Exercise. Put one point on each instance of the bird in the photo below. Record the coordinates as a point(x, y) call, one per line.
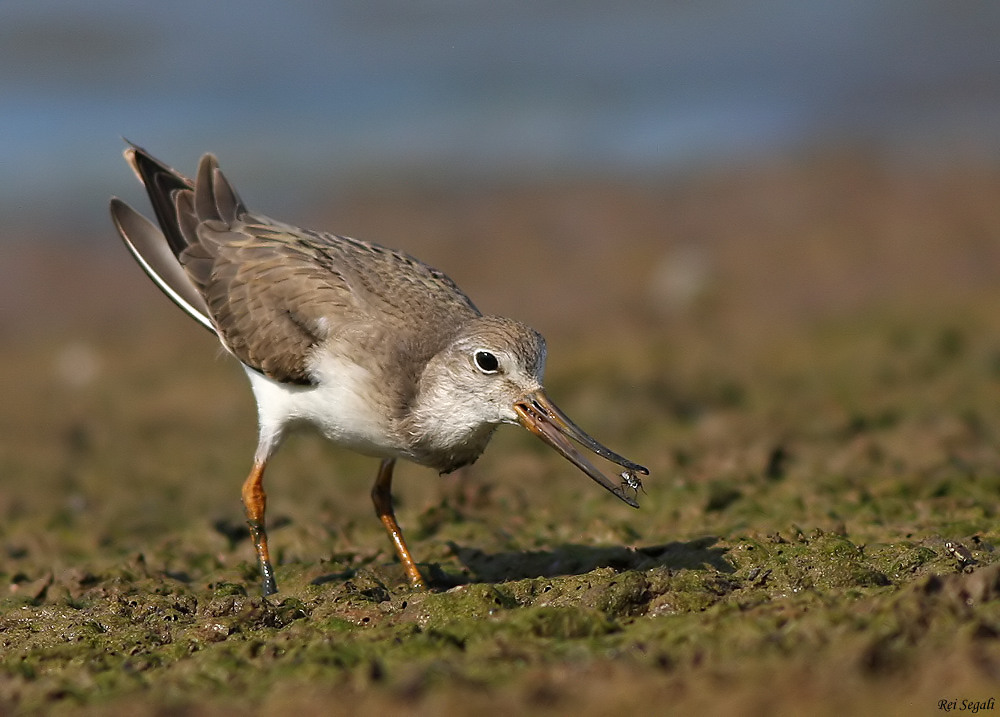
point(382, 353)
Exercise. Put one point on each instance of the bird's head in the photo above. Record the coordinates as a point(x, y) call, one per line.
point(491, 373)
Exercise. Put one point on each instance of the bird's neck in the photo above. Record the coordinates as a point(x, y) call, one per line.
point(445, 429)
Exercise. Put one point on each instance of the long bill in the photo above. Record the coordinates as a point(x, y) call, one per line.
point(543, 418)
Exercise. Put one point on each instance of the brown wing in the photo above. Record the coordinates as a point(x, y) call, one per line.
point(275, 293)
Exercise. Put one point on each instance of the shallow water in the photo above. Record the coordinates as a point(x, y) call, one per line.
point(299, 98)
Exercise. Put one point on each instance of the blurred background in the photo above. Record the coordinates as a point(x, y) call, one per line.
point(301, 99)
point(639, 171)
point(310, 105)
point(762, 240)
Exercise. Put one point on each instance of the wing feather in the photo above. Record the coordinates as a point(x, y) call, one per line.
point(276, 294)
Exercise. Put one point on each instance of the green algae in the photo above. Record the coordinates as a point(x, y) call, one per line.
point(774, 598)
point(780, 560)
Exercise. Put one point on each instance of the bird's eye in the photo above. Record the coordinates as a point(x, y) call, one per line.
point(486, 362)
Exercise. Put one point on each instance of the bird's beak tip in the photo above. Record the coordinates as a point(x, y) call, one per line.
point(543, 418)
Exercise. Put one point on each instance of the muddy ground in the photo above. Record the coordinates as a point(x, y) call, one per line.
point(806, 354)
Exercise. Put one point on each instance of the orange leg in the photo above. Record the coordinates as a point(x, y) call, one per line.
point(382, 498)
point(255, 503)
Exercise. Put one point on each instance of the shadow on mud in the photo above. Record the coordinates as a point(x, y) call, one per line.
point(571, 559)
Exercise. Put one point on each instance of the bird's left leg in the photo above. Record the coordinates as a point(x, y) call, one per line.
point(382, 498)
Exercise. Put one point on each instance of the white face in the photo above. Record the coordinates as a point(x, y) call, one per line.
point(473, 383)
point(497, 379)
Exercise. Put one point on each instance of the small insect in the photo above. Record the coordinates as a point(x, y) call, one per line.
point(631, 480)
point(960, 553)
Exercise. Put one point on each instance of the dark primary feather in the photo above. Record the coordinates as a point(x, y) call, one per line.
point(161, 181)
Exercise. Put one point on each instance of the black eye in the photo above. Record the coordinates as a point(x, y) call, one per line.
point(486, 362)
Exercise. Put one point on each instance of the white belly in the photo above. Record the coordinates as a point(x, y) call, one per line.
point(341, 406)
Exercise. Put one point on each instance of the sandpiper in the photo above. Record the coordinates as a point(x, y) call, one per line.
point(382, 353)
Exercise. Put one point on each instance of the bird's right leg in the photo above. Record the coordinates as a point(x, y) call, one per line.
point(255, 503)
